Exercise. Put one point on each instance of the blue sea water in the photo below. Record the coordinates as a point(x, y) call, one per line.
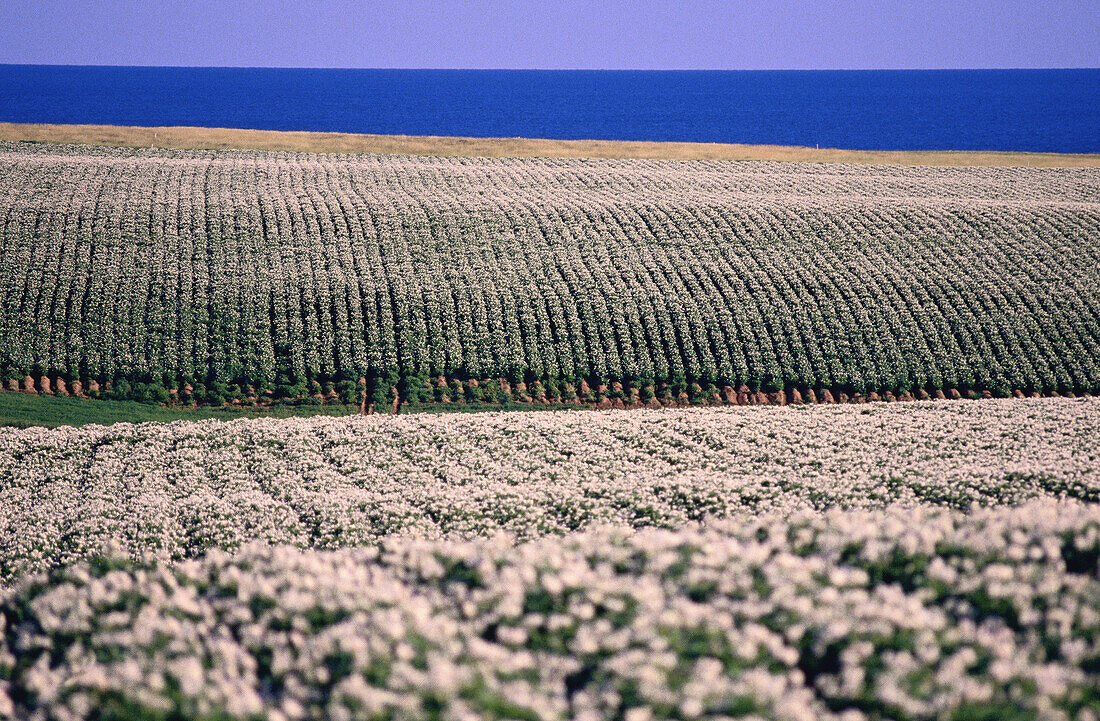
point(1039, 110)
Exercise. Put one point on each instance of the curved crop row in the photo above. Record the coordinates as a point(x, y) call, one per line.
point(222, 274)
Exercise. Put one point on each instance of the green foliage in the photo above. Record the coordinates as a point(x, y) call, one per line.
point(348, 391)
point(24, 411)
point(867, 286)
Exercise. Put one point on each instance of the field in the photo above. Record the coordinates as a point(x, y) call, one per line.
point(177, 489)
point(701, 512)
point(207, 276)
point(911, 561)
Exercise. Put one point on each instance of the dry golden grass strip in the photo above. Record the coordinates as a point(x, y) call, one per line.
point(241, 139)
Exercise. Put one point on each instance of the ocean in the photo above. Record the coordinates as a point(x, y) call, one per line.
point(1036, 110)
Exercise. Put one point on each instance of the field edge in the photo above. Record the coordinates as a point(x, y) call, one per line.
point(197, 138)
point(20, 409)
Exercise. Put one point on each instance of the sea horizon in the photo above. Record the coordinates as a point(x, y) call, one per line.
point(991, 109)
point(553, 70)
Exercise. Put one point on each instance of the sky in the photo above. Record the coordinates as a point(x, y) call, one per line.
point(553, 34)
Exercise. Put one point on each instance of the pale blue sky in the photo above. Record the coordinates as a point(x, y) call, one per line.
point(707, 34)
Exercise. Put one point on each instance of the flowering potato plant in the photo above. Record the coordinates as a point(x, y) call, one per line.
point(930, 560)
point(175, 490)
point(210, 276)
point(902, 613)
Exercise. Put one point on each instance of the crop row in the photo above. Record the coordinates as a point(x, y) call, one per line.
point(250, 273)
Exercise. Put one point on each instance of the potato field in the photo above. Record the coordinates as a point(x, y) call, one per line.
point(934, 560)
point(605, 552)
point(213, 275)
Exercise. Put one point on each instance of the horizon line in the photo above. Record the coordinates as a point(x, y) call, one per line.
point(565, 70)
